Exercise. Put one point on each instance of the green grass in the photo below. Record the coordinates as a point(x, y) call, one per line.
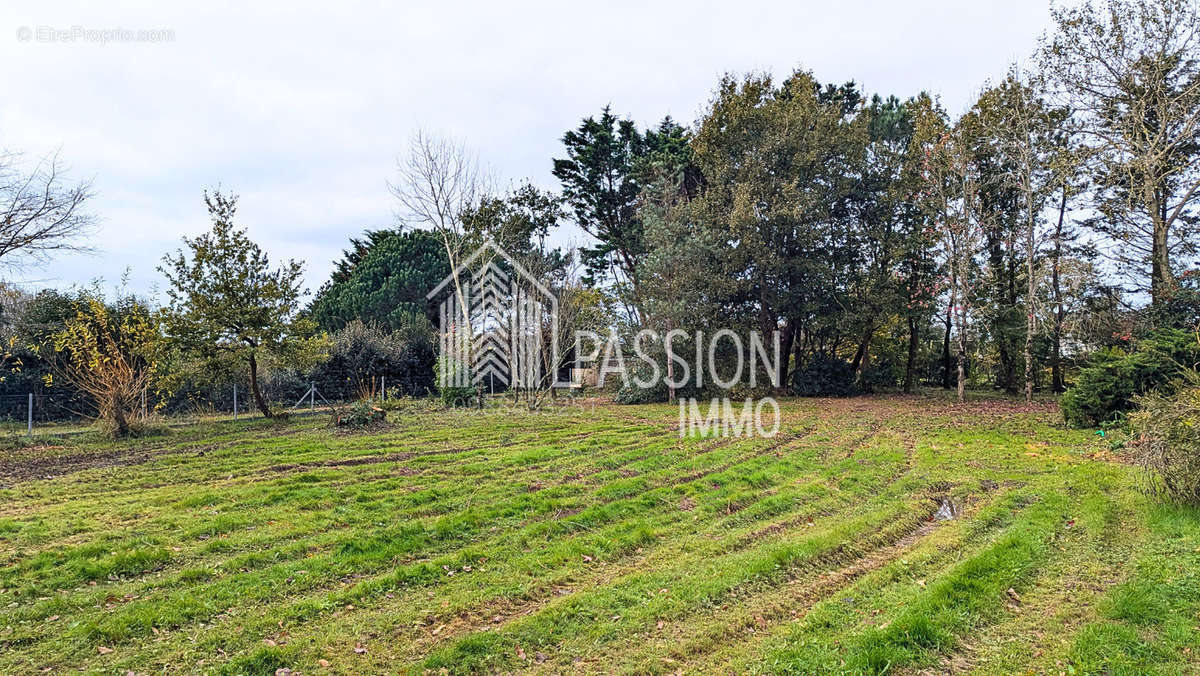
point(597, 541)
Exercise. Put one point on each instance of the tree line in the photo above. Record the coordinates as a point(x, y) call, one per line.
point(885, 242)
point(888, 242)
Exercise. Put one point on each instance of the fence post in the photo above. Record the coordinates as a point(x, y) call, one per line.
point(235, 401)
point(145, 413)
point(29, 424)
point(312, 396)
point(383, 387)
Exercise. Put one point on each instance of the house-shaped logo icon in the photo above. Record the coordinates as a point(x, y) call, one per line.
point(498, 324)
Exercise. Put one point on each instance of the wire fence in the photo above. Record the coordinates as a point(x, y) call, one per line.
point(57, 410)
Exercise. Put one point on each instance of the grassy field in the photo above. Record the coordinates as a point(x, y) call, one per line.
point(599, 541)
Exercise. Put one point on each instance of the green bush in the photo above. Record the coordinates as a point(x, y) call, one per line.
point(630, 393)
point(364, 413)
point(824, 377)
point(1166, 432)
point(454, 371)
point(1180, 306)
point(361, 353)
point(880, 375)
point(1105, 389)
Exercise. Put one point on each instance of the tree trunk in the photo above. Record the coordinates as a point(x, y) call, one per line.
point(946, 348)
point(802, 344)
point(1030, 226)
point(630, 265)
point(258, 397)
point(863, 344)
point(1029, 355)
point(670, 367)
point(1161, 279)
point(785, 352)
point(1006, 378)
point(911, 364)
point(961, 344)
point(962, 369)
point(120, 422)
point(1059, 315)
point(452, 258)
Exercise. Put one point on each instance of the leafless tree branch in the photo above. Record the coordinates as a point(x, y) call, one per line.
point(41, 213)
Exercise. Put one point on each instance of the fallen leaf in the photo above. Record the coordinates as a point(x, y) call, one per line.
point(102, 650)
point(360, 649)
point(520, 653)
point(323, 663)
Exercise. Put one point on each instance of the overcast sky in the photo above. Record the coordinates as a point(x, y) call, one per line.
point(302, 110)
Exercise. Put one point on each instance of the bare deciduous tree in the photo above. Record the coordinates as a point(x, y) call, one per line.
point(1024, 132)
point(1131, 71)
point(40, 212)
point(950, 196)
point(439, 181)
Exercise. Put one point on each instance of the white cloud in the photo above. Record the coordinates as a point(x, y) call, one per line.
point(303, 107)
